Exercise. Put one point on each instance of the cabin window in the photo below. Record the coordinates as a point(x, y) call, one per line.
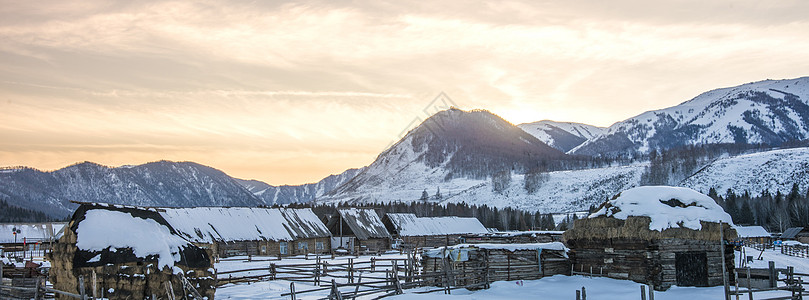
point(283, 247)
point(263, 249)
point(303, 246)
point(319, 245)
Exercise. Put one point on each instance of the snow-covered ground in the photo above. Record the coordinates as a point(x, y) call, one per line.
point(554, 287)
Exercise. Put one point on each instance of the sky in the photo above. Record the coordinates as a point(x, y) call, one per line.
point(290, 92)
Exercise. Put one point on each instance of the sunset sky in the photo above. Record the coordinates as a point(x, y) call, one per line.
point(290, 92)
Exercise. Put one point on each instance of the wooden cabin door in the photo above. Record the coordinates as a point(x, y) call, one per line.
point(691, 268)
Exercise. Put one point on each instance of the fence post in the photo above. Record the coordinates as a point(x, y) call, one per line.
point(583, 293)
point(38, 287)
point(749, 286)
point(351, 270)
point(651, 292)
point(95, 285)
point(81, 288)
point(335, 293)
point(773, 277)
point(578, 295)
point(292, 290)
point(642, 292)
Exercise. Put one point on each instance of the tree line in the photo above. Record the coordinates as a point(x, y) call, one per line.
point(774, 211)
point(10, 214)
point(491, 217)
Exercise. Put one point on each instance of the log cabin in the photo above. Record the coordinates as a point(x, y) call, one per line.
point(656, 235)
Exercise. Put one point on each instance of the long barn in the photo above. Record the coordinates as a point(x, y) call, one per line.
point(230, 231)
point(431, 231)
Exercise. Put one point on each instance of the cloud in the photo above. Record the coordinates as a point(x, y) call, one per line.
point(162, 78)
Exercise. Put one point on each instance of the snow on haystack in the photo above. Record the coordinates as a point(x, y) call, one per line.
point(102, 229)
point(667, 206)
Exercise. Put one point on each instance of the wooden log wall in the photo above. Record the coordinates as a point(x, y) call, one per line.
point(489, 265)
point(649, 262)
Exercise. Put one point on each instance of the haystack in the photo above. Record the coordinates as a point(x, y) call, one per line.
point(132, 253)
point(657, 235)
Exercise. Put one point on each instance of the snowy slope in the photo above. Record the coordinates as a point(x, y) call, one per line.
point(562, 135)
point(775, 170)
point(769, 112)
point(566, 191)
point(454, 149)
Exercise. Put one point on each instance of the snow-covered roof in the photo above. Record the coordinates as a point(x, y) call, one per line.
point(791, 233)
point(668, 207)
point(751, 231)
point(102, 229)
point(227, 224)
point(410, 225)
point(438, 252)
point(31, 231)
point(527, 232)
point(364, 223)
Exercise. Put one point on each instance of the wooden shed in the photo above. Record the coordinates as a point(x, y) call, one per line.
point(800, 234)
point(430, 231)
point(27, 240)
point(747, 235)
point(481, 264)
point(231, 231)
point(657, 235)
point(132, 253)
point(358, 231)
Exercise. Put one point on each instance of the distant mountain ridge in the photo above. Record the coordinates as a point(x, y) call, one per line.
point(768, 112)
point(455, 156)
point(286, 194)
point(562, 136)
point(161, 184)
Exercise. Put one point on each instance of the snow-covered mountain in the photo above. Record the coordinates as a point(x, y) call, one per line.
point(286, 194)
point(453, 144)
point(562, 135)
point(162, 183)
point(769, 112)
point(576, 190)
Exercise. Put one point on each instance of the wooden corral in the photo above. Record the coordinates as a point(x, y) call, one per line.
point(359, 231)
point(477, 265)
point(112, 255)
point(430, 232)
point(628, 249)
point(514, 237)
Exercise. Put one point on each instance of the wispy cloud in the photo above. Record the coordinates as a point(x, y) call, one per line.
point(324, 78)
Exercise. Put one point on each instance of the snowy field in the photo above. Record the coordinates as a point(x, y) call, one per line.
point(555, 287)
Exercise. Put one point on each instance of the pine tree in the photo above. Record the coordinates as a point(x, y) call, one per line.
point(438, 193)
point(746, 214)
point(424, 196)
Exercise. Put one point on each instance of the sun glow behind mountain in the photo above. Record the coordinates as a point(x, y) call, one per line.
point(292, 92)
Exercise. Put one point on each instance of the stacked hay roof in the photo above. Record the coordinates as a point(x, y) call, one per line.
point(132, 252)
point(657, 235)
